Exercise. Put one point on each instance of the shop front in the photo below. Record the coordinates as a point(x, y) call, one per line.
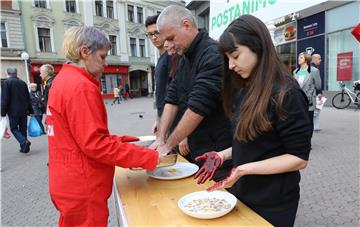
point(113, 76)
point(343, 50)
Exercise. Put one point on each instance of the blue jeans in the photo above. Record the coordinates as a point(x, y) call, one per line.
point(18, 127)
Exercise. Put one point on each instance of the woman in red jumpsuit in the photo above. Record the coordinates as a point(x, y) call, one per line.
point(82, 153)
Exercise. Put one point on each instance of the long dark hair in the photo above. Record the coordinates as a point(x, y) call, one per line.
point(253, 118)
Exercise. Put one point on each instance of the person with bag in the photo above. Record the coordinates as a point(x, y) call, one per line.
point(82, 152)
point(271, 127)
point(309, 80)
point(15, 102)
point(37, 105)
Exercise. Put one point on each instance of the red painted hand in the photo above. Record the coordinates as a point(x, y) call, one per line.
point(213, 161)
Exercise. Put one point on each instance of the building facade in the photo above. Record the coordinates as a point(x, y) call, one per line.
point(12, 39)
point(43, 23)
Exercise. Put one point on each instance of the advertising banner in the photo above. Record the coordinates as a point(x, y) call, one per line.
point(223, 12)
point(311, 26)
point(344, 66)
point(285, 33)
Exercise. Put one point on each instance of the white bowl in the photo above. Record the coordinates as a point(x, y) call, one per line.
point(229, 198)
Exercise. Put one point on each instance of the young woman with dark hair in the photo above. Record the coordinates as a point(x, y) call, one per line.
point(271, 127)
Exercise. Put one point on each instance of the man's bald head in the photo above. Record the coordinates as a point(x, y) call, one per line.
point(316, 59)
point(174, 15)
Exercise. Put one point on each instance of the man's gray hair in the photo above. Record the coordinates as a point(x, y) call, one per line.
point(174, 15)
point(11, 71)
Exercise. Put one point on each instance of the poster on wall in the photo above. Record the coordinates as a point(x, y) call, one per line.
point(223, 12)
point(344, 66)
point(285, 33)
point(311, 26)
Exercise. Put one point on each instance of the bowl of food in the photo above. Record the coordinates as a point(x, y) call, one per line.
point(207, 205)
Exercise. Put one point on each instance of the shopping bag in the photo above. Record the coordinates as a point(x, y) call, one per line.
point(34, 128)
point(3, 126)
point(320, 102)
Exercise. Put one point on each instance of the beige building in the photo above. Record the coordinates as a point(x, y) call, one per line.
point(12, 39)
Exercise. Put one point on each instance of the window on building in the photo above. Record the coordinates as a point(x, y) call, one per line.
point(142, 47)
point(44, 39)
point(131, 13)
point(113, 49)
point(133, 47)
point(99, 8)
point(110, 9)
point(40, 3)
point(70, 6)
point(4, 42)
point(139, 15)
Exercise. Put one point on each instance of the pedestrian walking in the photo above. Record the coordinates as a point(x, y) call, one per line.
point(116, 95)
point(309, 80)
point(193, 104)
point(47, 75)
point(37, 104)
point(15, 102)
point(127, 92)
point(82, 153)
point(272, 132)
point(315, 62)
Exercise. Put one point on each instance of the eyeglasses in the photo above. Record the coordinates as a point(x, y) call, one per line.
point(155, 34)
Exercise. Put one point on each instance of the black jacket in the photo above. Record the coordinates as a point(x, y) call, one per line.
point(197, 86)
point(15, 98)
point(162, 80)
point(46, 91)
point(290, 136)
point(36, 103)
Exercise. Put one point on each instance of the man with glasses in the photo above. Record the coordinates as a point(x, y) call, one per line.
point(162, 78)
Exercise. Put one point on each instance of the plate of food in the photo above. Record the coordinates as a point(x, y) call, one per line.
point(207, 205)
point(178, 171)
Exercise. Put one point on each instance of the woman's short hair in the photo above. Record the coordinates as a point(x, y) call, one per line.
point(79, 36)
point(48, 68)
point(307, 57)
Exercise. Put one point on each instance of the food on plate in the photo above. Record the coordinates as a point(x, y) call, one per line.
point(172, 170)
point(207, 205)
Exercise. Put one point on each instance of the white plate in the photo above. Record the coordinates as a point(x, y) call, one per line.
point(229, 198)
point(178, 171)
point(147, 138)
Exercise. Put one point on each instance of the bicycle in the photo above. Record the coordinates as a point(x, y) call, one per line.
point(343, 99)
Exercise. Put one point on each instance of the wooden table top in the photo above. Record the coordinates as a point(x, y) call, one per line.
point(152, 202)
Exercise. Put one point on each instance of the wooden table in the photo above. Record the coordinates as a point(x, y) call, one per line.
point(144, 201)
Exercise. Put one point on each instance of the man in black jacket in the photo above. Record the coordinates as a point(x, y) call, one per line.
point(47, 74)
point(194, 100)
point(15, 102)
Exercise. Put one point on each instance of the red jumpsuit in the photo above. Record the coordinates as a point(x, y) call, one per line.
point(82, 153)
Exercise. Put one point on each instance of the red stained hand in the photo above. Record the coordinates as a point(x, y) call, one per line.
point(212, 162)
point(228, 182)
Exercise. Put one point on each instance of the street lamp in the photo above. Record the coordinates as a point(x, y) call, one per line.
point(25, 57)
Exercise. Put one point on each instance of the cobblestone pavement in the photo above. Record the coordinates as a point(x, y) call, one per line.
point(329, 188)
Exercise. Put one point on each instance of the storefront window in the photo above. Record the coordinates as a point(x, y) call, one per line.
point(287, 55)
point(109, 82)
point(339, 43)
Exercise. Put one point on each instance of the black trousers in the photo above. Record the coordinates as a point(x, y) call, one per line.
point(283, 218)
point(311, 116)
